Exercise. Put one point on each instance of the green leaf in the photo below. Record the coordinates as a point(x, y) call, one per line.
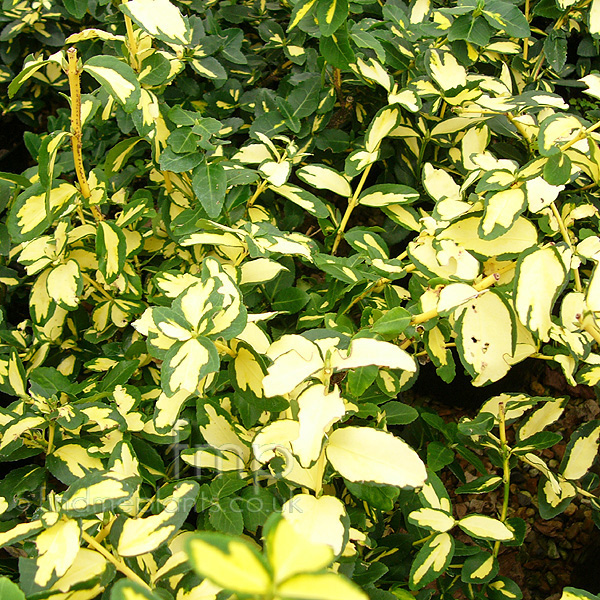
point(479, 568)
point(398, 413)
point(474, 30)
point(226, 516)
point(117, 78)
point(393, 322)
point(438, 456)
point(10, 590)
point(182, 140)
point(361, 378)
point(117, 156)
point(331, 14)
point(557, 169)
point(555, 50)
point(480, 425)
point(290, 300)
point(209, 183)
point(504, 15)
point(287, 112)
point(336, 49)
point(431, 561)
point(504, 588)
point(179, 163)
point(30, 66)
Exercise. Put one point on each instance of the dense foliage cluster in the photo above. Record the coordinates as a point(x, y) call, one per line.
point(247, 227)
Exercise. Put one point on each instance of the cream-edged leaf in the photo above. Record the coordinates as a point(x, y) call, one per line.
point(323, 177)
point(318, 519)
point(521, 236)
point(366, 454)
point(57, 548)
point(160, 18)
point(381, 125)
point(581, 451)
point(319, 410)
point(367, 351)
point(486, 528)
point(432, 519)
point(485, 337)
point(539, 278)
point(145, 534)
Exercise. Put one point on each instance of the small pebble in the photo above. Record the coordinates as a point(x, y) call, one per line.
point(570, 510)
point(553, 463)
point(551, 578)
point(552, 550)
point(524, 499)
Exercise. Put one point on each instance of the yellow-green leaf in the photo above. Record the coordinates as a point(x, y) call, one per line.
point(230, 563)
point(319, 586)
point(57, 547)
point(161, 19)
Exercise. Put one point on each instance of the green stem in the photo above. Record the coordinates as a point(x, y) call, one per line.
point(505, 450)
point(260, 188)
point(565, 234)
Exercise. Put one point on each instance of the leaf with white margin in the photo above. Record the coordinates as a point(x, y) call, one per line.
point(145, 534)
point(161, 19)
point(486, 528)
point(485, 337)
point(320, 520)
point(432, 519)
point(431, 560)
point(290, 552)
point(521, 236)
point(309, 202)
point(57, 547)
point(323, 177)
point(366, 454)
point(319, 410)
point(539, 278)
point(295, 359)
point(367, 351)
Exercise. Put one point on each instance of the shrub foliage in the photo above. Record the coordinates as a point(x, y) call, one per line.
point(248, 226)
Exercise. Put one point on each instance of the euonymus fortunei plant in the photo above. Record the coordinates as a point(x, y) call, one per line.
point(247, 226)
